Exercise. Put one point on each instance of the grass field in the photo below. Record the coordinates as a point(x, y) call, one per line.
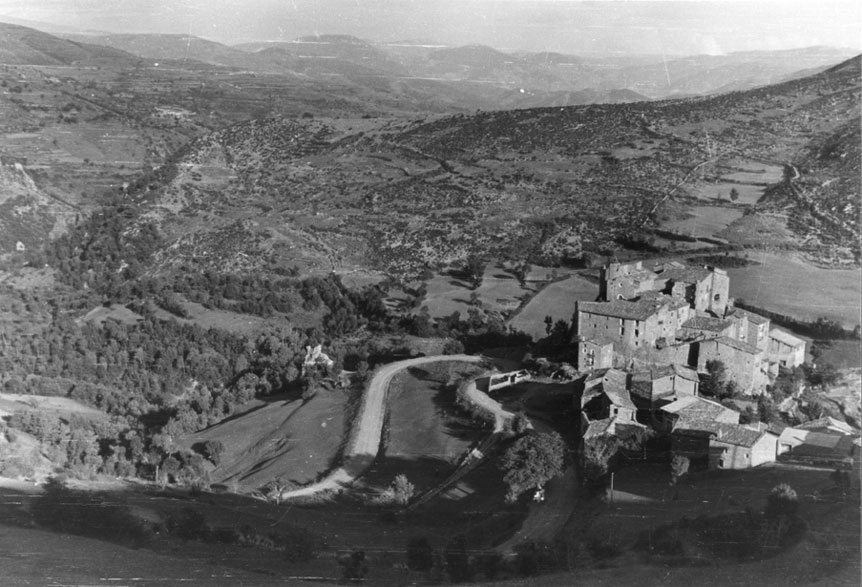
point(748, 194)
point(643, 500)
point(844, 354)
point(787, 285)
point(14, 402)
point(499, 292)
point(426, 434)
point(705, 221)
point(294, 440)
point(117, 312)
point(556, 300)
point(759, 229)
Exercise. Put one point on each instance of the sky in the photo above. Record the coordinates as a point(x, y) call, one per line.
point(567, 26)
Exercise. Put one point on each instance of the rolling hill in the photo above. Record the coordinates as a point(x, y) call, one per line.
point(405, 195)
point(21, 45)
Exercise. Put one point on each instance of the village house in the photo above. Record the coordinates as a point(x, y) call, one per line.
point(693, 413)
point(658, 386)
point(751, 328)
point(785, 349)
point(633, 327)
point(824, 448)
point(733, 446)
point(605, 403)
point(745, 365)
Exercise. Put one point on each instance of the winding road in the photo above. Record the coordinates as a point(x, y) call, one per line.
point(364, 442)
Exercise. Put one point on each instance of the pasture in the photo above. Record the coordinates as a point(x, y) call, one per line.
point(61, 406)
point(787, 285)
point(748, 178)
point(556, 300)
point(704, 221)
point(499, 292)
point(761, 229)
point(427, 434)
point(293, 440)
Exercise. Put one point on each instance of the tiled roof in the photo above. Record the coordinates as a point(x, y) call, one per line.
point(685, 372)
point(613, 384)
point(752, 317)
point(695, 410)
point(639, 309)
point(660, 372)
point(686, 274)
point(804, 442)
point(735, 434)
point(738, 345)
point(827, 423)
point(598, 428)
point(707, 323)
point(785, 337)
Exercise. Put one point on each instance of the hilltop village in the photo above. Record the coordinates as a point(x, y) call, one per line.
point(654, 335)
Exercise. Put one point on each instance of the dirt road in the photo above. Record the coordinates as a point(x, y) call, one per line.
point(365, 434)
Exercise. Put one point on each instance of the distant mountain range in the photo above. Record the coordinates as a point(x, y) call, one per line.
point(546, 78)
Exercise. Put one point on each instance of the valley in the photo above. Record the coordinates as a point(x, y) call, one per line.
point(308, 311)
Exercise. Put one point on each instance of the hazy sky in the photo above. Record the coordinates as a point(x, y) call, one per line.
point(574, 26)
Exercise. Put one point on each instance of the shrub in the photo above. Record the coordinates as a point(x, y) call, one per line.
point(678, 467)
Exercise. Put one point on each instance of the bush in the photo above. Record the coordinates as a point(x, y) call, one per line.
point(402, 489)
point(678, 467)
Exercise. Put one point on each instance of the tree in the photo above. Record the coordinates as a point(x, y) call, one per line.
point(474, 270)
point(532, 461)
point(782, 501)
point(713, 383)
point(213, 450)
point(420, 554)
point(402, 489)
point(734, 194)
point(678, 467)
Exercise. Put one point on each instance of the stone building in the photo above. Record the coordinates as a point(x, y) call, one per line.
point(744, 364)
point(785, 349)
point(674, 314)
point(705, 289)
point(657, 386)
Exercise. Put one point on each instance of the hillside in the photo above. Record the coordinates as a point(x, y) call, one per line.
point(23, 45)
point(175, 47)
point(403, 195)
